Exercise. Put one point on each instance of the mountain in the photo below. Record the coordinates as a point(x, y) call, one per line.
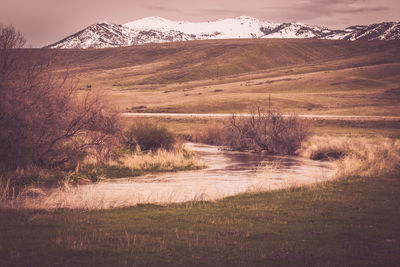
point(160, 30)
point(379, 31)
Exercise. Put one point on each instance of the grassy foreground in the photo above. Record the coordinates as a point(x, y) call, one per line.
point(353, 221)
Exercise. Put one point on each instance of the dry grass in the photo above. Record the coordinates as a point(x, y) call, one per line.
point(5, 189)
point(136, 163)
point(177, 159)
point(211, 133)
point(357, 156)
point(302, 76)
point(17, 190)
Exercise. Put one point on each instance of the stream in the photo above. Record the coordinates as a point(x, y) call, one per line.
point(228, 173)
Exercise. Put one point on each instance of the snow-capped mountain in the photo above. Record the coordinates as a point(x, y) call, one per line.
point(99, 35)
point(159, 30)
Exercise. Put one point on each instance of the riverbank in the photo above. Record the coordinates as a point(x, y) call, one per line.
point(228, 173)
point(91, 170)
point(351, 221)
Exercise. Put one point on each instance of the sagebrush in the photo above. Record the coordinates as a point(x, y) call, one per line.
point(269, 131)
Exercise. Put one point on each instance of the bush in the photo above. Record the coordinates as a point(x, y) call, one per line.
point(45, 121)
point(267, 131)
point(148, 136)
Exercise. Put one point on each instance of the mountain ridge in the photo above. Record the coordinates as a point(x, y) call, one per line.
point(159, 30)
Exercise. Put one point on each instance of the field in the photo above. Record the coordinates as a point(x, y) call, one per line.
point(302, 76)
point(190, 127)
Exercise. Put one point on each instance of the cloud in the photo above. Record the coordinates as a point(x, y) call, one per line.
point(160, 8)
point(361, 9)
point(216, 11)
point(313, 9)
point(219, 13)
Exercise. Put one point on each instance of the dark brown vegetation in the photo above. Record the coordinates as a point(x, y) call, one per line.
point(45, 123)
point(267, 131)
point(148, 136)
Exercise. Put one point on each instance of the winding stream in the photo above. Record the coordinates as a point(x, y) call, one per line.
point(229, 173)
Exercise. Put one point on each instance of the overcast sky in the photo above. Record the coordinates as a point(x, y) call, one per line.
point(47, 21)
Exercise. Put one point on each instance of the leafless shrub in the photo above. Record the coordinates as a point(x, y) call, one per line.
point(267, 131)
point(148, 136)
point(45, 121)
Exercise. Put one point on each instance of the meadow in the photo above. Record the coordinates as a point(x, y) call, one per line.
point(301, 76)
point(352, 221)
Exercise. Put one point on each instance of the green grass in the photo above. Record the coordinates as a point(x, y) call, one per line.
point(350, 222)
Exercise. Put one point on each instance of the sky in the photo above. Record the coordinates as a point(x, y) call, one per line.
point(46, 21)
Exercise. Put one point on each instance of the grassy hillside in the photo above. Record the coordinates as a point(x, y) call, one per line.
point(305, 76)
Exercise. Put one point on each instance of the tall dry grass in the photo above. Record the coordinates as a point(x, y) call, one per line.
point(14, 189)
point(135, 163)
point(212, 133)
point(356, 156)
point(177, 159)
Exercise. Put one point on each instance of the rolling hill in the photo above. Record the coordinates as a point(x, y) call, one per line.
point(302, 75)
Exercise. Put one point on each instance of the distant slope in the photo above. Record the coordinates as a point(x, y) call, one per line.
point(223, 76)
point(197, 60)
point(160, 30)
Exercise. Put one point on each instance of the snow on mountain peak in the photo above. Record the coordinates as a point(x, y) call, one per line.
point(104, 22)
point(157, 30)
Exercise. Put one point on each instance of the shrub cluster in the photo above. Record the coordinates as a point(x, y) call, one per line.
point(267, 131)
point(148, 136)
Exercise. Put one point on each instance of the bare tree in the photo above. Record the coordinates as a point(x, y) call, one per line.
point(268, 131)
point(10, 40)
point(45, 121)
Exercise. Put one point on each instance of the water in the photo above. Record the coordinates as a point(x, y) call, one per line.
point(228, 173)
